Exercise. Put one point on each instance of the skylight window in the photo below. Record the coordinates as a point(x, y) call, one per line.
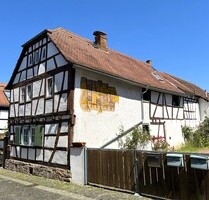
point(157, 76)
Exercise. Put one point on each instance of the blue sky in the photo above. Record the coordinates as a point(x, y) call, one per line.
point(174, 34)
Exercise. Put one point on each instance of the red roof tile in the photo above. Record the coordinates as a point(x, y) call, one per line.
point(80, 51)
point(3, 99)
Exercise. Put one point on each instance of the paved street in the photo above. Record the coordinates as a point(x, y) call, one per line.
point(15, 189)
point(19, 190)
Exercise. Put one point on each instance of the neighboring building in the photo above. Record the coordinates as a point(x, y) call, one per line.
point(69, 91)
point(4, 109)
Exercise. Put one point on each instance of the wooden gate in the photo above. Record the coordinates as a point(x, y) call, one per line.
point(147, 173)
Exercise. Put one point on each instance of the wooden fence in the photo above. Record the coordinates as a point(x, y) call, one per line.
point(148, 173)
point(3, 150)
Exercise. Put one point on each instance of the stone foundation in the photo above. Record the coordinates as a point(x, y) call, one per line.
point(38, 170)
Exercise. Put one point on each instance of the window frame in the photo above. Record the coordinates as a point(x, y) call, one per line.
point(176, 101)
point(29, 95)
point(25, 135)
point(49, 87)
point(22, 94)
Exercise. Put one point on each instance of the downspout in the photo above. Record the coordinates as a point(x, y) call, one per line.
point(142, 100)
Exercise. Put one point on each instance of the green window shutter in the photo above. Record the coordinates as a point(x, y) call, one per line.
point(38, 135)
point(17, 135)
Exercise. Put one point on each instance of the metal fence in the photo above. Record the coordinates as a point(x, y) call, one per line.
point(149, 174)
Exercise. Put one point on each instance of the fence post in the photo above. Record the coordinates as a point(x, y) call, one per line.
point(85, 166)
point(136, 176)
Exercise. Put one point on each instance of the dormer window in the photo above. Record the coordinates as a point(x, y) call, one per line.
point(49, 87)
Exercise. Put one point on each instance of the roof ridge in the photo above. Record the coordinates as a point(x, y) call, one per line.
point(70, 32)
point(173, 77)
point(91, 41)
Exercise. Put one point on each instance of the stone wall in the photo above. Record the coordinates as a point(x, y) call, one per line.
point(38, 170)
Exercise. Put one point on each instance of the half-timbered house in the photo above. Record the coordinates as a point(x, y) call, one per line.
point(4, 109)
point(69, 91)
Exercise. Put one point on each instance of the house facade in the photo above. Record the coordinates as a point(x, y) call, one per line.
point(67, 91)
point(4, 109)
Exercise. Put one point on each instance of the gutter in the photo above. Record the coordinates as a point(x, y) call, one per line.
point(76, 65)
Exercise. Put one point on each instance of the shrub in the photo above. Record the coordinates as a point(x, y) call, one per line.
point(137, 138)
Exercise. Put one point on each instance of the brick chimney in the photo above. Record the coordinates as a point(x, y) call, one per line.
point(100, 40)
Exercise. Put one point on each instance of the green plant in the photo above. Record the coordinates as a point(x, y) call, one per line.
point(137, 138)
point(160, 144)
point(198, 138)
point(187, 133)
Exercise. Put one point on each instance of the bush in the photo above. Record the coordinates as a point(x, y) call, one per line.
point(198, 138)
point(160, 144)
point(136, 139)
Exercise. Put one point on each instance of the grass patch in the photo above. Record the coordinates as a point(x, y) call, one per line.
point(190, 148)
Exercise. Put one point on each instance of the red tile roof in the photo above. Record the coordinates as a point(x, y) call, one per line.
point(80, 51)
point(3, 99)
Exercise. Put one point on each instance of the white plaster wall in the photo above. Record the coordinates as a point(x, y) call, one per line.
point(39, 154)
point(31, 155)
point(50, 64)
point(146, 111)
point(13, 152)
point(51, 128)
point(3, 114)
point(63, 102)
point(41, 69)
point(24, 153)
point(50, 141)
point(52, 50)
point(16, 94)
point(58, 81)
point(204, 109)
point(97, 128)
point(77, 165)
point(60, 157)
point(49, 106)
point(60, 60)
point(28, 109)
point(23, 64)
point(40, 109)
point(21, 110)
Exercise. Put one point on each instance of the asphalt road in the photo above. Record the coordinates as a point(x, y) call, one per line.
point(20, 190)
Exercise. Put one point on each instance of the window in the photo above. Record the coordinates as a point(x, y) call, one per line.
point(22, 94)
point(43, 53)
point(25, 139)
point(30, 60)
point(49, 85)
point(29, 93)
point(30, 136)
point(176, 100)
point(36, 56)
point(145, 128)
point(146, 94)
